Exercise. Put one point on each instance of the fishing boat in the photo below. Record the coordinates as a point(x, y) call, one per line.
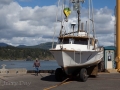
point(77, 51)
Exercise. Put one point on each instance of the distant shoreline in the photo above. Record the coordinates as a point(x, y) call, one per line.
point(26, 60)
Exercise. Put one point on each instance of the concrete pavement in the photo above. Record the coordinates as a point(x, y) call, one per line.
point(46, 81)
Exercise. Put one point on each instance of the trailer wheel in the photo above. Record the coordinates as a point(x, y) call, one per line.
point(59, 74)
point(83, 75)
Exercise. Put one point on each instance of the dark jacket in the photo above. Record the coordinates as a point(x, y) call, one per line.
point(36, 63)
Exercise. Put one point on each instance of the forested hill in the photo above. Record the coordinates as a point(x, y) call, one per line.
point(22, 52)
point(47, 45)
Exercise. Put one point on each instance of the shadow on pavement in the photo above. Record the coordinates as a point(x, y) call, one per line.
point(50, 78)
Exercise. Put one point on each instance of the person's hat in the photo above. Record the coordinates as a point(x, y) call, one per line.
point(36, 58)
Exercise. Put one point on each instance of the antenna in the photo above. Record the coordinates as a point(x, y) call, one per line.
point(73, 1)
point(76, 7)
point(76, 4)
point(73, 25)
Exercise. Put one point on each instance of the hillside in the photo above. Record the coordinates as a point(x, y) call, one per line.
point(14, 53)
point(23, 52)
point(46, 45)
point(4, 45)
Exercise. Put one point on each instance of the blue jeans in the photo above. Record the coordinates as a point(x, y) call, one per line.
point(37, 69)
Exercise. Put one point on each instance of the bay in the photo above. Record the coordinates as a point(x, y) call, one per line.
point(45, 65)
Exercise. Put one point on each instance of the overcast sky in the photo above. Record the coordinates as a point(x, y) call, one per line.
point(31, 22)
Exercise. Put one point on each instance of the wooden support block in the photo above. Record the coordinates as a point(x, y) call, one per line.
point(93, 70)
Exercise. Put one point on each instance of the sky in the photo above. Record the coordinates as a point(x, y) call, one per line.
point(31, 22)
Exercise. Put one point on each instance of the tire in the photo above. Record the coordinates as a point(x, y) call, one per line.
point(83, 75)
point(59, 74)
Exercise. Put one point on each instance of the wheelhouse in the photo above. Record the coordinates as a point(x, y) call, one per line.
point(73, 40)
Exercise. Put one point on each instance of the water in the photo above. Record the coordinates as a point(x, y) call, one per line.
point(45, 65)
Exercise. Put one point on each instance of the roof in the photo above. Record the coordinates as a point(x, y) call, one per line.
point(69, 36)
point(110, 48)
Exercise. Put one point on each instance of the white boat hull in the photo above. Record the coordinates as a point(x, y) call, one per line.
point(69, 59)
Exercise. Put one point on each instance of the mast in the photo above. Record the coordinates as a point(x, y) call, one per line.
point(89, 24)
point(76, 7)
point(118, 33)
point(78, 11)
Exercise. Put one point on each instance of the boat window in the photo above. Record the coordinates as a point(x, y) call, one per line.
point(81, 41)
point(63, 41)
point(71, 41)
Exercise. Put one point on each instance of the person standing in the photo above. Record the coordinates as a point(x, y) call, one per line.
point(36, 65)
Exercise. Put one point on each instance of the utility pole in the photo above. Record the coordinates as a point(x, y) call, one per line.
point(118, 34)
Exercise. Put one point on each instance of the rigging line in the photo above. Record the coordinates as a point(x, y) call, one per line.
point(57, 10)
point(93, 19)
point(54, 36)
point(67, 28)
point(64, 33)
point(63, 22)
point(94, 36)
point(69, 3)
point(55, 25)
point(61, 16)
point(64, 3)
point(94, 31)
point(63, 6)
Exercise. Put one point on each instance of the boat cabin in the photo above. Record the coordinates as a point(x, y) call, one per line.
point(76, 40)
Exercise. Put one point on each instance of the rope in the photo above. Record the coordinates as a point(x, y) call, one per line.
point(57, 84)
